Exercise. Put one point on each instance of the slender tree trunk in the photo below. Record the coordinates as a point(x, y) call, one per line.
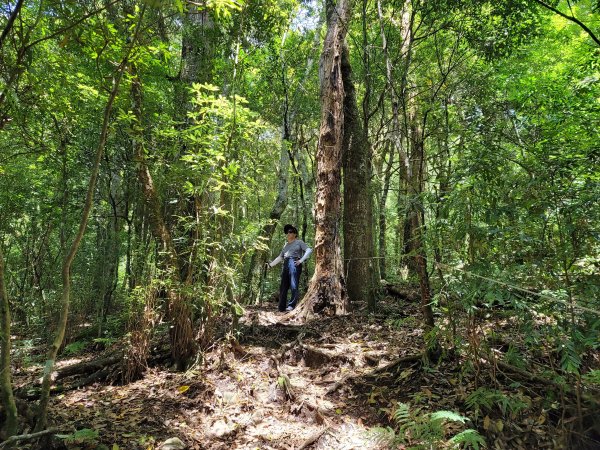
point(66, 267)
point(412, 168)
point(358, 207)
point(387, 177)
point(416, 220)
point(327, 291)
point(399, 96)
point(183, 346)
point(445, 169)
point(112, 254)
point(9, 427)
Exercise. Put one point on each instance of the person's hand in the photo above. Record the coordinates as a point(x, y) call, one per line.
point(297, 263)
point(268, 265)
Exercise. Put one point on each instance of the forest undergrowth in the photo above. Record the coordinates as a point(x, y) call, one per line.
point(359, 381)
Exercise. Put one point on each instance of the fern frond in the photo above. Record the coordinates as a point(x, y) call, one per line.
point(448, 415)
point(402, 413)
point(469, 439)
point(382, 436)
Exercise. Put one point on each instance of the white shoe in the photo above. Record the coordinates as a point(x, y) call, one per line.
point(289, 308)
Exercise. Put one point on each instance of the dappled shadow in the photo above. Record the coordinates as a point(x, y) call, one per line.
point(322, 384)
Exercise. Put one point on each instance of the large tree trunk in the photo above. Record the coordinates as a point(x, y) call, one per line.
point(358, 207)
point(327, 292)
point(198, 44)
point(9, 427)
point(183, 346)
point(197, 51)
point(66, 267)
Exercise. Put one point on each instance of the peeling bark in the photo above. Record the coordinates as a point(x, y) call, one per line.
point(327, 292)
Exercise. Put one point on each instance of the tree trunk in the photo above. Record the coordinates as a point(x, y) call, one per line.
point(412, 168)
point(327, 291)
point(198, 44)
point(9, 427)
point(417, 223)
point(183, 346)
point(358, 207)
point(197, 51)
point(395, 96)
point(66, 267)
point(387, 177)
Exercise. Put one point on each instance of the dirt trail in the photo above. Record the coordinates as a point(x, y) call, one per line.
point(322, 385)
point(278, 386)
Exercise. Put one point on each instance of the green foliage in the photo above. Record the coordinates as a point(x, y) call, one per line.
point(105, 342)
point(570, 360)
point(468, 439)
point(83, 436)
point(75, 348)
point(593, 377)
point(421, 430)
point(484, 400)
point(514, 357)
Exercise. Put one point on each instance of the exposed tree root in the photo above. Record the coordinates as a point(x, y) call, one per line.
point(392, 365)
point(108, 368)
point(313, 439)
point(532, 377)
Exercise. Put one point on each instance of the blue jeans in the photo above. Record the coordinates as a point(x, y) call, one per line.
point(290, 278)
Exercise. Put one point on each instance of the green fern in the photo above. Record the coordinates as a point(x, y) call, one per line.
point(449, 416)
point(481, 400)
point(484, 400)
point(468, 439)
point(421, 430)
point(570, 361)
point(593, 377)
point(402, 413)
point(383, 436)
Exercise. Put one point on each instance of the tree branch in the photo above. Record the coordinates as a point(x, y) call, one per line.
point(27, 437)
point(572, 19)
point(10, 22)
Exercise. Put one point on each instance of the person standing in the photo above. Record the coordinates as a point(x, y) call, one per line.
point(293, 254)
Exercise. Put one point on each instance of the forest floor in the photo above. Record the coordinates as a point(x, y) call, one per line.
point(322, 385)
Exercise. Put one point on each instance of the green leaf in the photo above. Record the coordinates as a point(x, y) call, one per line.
point(448, 415)
point(469, 438)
